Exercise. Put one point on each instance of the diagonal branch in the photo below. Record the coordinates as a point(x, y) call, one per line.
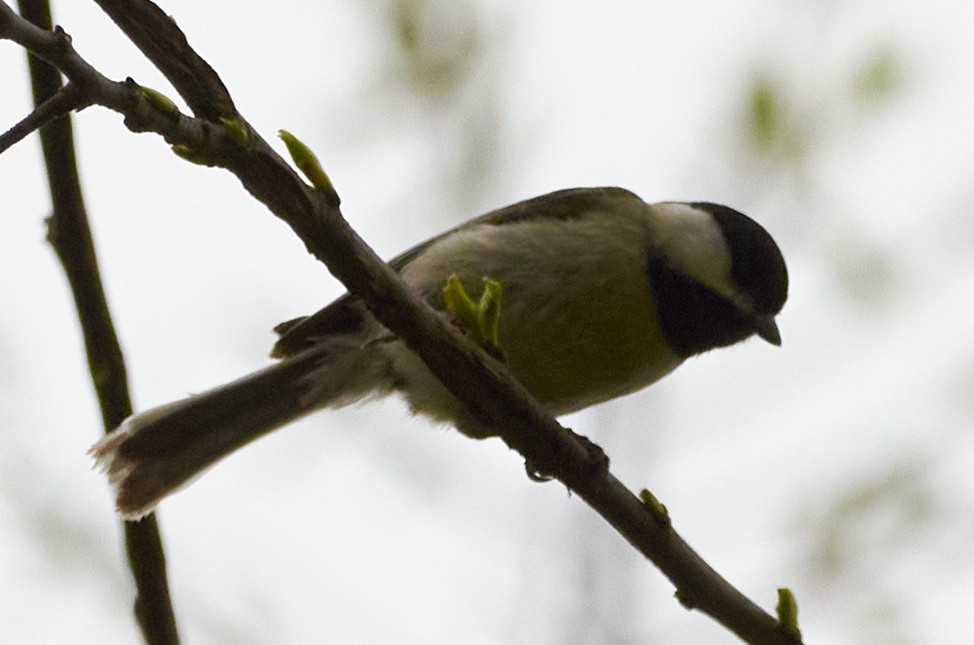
point(480, 382)
point(62, 103)
point(163, 43)
point(70, 235)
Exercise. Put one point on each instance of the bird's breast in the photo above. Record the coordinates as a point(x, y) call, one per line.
point(578, 324)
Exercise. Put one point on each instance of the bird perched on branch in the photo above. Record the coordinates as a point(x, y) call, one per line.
point(603, 294)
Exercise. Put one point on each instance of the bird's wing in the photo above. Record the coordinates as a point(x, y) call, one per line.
point(348, 314)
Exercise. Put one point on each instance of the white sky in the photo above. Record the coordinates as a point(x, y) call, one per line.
point(364, 525)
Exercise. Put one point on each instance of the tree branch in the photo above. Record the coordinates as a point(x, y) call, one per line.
point(66, 100)
point(70, 235)
point(163, 43)
point(483, 384)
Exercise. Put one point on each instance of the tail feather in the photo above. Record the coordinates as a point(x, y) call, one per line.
point(155, 452)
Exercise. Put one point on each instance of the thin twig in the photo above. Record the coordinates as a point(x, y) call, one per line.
point(67, 99)
point(70, 235)
point(480, 382)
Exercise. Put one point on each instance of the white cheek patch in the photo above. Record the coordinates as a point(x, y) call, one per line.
point(695, 246)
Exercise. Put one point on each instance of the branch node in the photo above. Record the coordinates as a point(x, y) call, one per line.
point(62, 40)
point(657, 510)
point(685, 599)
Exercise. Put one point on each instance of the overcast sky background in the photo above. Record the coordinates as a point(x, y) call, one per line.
point(838, 466)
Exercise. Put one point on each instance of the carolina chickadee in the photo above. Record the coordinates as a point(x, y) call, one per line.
point(603, 294)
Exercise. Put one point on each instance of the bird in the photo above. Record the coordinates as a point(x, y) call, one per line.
point(603, 295)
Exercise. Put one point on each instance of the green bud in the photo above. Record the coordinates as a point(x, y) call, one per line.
point(655, 507)
point(187, 153)
point(238, 130)
point(787, 610)
point(480, 320)
point(159, 101)
point(310, 167)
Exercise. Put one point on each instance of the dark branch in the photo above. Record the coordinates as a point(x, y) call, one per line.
point(67, 99)
point(162, 42)
point(69, 233)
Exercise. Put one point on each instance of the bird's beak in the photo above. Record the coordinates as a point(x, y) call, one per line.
point(767, 328)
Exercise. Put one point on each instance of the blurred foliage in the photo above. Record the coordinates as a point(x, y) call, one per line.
point(887, 509)
point(765, 113)
point(794, 116)
point(438, 44)
point(881, 75)
point(449, 59)
point(773, 125)
point(791, 121)
point(799, 118)
point(854, 537)
point(867, 272)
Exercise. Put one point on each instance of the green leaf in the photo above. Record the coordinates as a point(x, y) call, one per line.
point(480, 320)
point(489, 312)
